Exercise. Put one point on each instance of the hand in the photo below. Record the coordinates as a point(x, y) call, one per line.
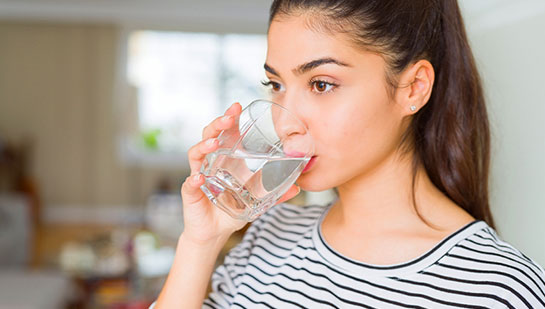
point(203, 221)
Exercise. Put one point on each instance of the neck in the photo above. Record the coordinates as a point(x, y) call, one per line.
point(382, 198)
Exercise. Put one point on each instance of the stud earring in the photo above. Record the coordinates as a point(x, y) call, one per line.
point(413, 108)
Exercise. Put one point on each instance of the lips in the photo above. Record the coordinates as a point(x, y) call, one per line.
point(294, 154)
point(309, 164)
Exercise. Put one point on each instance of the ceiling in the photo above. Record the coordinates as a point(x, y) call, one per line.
point(232, 15)
point(239, 15)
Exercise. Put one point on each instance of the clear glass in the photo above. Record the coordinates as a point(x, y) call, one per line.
point(258, 160)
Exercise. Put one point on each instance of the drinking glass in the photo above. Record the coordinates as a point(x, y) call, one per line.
point(258, 160)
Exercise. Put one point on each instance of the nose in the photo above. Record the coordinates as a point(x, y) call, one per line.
point(291, 130)
point(286, 122)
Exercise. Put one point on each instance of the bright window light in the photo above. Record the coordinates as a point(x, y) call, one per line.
point(182, 81)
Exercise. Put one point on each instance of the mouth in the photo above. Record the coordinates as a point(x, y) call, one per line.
point(309, 164)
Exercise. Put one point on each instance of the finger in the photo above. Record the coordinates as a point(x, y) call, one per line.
point(234, 109)
point(291, 193)
point(222, 123)
point(214, 128)
point(197, 153)
point(191, 192)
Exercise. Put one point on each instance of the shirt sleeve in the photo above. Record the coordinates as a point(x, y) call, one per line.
point(226, 278)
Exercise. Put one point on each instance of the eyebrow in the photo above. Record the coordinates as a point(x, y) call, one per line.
point(305, 67)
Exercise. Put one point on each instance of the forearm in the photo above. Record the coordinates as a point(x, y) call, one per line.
point(188, 278)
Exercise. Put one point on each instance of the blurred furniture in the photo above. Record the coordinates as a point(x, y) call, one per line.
point(15, 173)
point(164, 216)
point(15, 231)
point(33, 289)
point(19, 203)
point(19, 220)
point(19, 287)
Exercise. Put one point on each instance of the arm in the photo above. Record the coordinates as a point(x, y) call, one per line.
point(187, 281)
point(206, 229)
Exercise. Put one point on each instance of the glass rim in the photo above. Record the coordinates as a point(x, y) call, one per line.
point(282, 107)
point(292, 115)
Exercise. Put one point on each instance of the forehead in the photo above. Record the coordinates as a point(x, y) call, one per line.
point(291, 42)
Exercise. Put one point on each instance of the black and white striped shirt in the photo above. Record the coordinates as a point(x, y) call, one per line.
point(284, 262)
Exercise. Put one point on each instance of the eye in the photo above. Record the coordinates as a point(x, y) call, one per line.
point(275, 87)
point(320, 86)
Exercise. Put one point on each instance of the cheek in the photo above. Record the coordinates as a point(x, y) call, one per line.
point(346, 134)
point(360, 130)
point(349, 141)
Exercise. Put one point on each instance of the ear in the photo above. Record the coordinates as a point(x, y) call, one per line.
point(415, 86)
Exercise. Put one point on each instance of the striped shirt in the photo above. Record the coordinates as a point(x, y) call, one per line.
point(283, 262)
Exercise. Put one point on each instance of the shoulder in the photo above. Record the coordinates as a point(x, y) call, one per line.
point(283, 223)
point(292, 217)
point(292, 211)
point(284, 220)
point(486, 242)
point(485, 258)
point(284, 227)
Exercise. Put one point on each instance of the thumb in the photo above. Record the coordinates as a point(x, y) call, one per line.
point(191, 192)
point(291, 193)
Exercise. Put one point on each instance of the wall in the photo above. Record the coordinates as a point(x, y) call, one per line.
point(509, 47)
point(72, 66)
point(57, 87)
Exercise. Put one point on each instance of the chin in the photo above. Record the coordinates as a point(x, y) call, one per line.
point(313, 182)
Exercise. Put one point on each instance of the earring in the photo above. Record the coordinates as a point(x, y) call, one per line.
point(413, 108)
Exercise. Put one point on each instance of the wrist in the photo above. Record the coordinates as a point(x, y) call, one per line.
point(186, 240)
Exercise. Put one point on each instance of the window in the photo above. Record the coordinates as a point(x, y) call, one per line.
point(180, 82)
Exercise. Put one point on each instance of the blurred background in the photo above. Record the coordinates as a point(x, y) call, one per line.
point(100, 100)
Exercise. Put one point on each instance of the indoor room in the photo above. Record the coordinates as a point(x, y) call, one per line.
point(100, 102)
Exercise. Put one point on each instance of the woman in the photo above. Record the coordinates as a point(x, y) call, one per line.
point(392, 98)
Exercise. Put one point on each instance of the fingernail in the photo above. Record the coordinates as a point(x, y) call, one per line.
point(232, 106)
point(210, 142)
point(226, 118)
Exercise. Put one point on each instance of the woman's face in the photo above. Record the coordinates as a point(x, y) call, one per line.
point(340, 93)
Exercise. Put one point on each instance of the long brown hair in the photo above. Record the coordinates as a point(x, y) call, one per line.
point(450, 135)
